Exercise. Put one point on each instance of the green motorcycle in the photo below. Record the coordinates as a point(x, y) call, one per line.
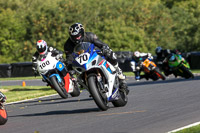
point(179, 66)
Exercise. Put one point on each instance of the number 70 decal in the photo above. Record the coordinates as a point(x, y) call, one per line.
point(83, 58)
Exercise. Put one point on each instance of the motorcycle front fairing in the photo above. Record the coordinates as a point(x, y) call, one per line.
point(177, 60)
point(90, 60)
point(60, 68)
point(50, 66)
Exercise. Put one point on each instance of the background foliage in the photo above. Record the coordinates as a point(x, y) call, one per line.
point(125, 25)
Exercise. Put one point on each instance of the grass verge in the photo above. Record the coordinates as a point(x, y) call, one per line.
point(195, 129)
point(18, 93)
point(20, 78)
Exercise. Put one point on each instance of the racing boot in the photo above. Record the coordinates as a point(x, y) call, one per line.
point(72, 73)
point(122, 81)
point(137, 78)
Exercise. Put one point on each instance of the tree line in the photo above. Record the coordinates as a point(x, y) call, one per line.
point(125, 25)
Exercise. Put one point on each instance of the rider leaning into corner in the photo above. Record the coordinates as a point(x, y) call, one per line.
point(77, 36)
point(136, 61)
point(162, 54)
point(42, 51)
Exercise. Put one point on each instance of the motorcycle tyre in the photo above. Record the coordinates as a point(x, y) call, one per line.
point(76, 92)
point(187, 72)
point(3, 116)
point(159, 74)
point(94, 91)
point(58, 87)
point(122, 101)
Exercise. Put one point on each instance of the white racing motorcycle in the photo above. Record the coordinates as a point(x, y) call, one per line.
point(98, 76)
point(55, 73)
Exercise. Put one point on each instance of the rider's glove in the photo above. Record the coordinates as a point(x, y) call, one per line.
point(59, 56)
point(106, 51)
point(149, 56)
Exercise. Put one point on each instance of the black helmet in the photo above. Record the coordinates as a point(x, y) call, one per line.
point(158, 50)
point(42, 47)
point(76, 32)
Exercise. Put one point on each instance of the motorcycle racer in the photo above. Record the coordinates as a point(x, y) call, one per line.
point(163, 54)
point(77, 36)
point(42, 50)
point(138, 58)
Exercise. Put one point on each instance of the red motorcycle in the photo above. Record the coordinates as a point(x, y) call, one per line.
point(3, 112)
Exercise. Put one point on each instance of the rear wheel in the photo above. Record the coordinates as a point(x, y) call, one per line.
point(3, 116)
point(100, 100)
point(58, 87)
point(76, 91)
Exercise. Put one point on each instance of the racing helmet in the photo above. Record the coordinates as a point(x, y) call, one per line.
point(76, 33)
point(136, 54)
point(158, 50)
point(42, 47)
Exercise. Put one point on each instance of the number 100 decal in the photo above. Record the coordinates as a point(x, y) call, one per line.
point(44, 64)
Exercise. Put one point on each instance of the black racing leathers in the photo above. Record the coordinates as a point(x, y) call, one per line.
point(88, 37)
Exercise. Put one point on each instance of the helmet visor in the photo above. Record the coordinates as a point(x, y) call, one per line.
point(76, 37)
point(41, 50)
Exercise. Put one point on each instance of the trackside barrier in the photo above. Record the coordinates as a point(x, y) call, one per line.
point(21, 69)
point(194, 59)
point(5, 70)
point(24, 69)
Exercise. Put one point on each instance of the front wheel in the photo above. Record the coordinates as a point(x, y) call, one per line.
point(187, 72)
point(100, 101)
point(3, 116)
point(159, 74)
point(58, 87)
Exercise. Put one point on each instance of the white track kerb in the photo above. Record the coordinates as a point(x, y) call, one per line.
point(188, 126)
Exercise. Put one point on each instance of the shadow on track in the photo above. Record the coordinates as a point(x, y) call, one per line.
point(60, 112)
point(58, 101)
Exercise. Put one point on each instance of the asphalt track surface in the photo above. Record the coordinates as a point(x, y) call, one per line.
point(153, 107)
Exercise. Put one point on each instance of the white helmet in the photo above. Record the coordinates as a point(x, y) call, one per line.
point(137, 54)
point(42, 47)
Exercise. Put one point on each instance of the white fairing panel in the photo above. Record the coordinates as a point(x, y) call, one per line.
point(46, 64)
